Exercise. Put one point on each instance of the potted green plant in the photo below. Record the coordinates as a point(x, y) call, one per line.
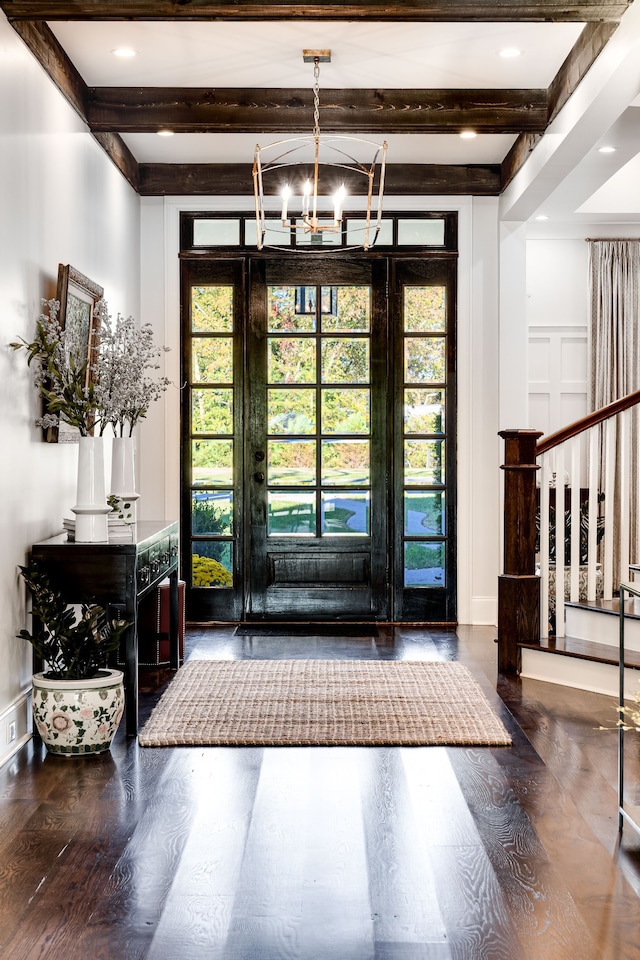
point(78, 701)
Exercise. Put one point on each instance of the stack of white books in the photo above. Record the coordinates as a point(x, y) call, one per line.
point(119, 531)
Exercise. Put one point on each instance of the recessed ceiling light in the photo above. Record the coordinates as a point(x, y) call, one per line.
point(468, 134)
point(606, 149)
point(510, 53)
point(124, 52)
point(542, 216)
point(165, 133)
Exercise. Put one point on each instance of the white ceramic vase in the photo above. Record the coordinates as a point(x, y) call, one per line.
point(77, 718)
point(123, 477)
point(91, 507)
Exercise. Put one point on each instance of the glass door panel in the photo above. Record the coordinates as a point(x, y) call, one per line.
point(314, 358)
point(321, 416)
point(291, 411)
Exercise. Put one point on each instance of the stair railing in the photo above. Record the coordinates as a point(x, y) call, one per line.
point(571, 522)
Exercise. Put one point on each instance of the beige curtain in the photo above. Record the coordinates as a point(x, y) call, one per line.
point(614, 345)
point(614, 278)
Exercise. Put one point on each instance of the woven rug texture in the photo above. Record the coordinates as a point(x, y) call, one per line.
point(323, 703)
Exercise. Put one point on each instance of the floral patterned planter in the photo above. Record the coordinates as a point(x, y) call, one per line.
point(78, 717)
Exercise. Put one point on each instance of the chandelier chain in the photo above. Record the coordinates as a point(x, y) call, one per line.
point(308, 224)
point(316, 97)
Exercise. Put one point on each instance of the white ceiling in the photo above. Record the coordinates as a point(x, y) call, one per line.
point(566, 179)
point(238, 148)
point(363, 54)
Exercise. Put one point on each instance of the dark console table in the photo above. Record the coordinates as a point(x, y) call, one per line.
point(119, 575)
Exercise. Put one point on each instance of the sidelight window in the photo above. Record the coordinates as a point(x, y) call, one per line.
point(212, 435)
point(424, 321)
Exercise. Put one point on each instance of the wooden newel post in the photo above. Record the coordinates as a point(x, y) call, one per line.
point(518, 585)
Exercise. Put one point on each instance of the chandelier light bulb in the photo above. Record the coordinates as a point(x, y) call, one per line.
point(338, 200)
point(286, 193)
point(306, 193)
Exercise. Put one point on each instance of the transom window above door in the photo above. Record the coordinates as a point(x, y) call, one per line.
point(425, 231)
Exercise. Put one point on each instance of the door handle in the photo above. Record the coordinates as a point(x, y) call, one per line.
point(258, 477)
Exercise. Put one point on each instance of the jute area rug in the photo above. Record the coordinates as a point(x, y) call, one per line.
point(323, 703)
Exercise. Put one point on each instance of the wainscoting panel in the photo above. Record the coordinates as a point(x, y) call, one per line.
point(558, 376)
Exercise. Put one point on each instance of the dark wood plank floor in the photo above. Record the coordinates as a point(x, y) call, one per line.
point(329, 853)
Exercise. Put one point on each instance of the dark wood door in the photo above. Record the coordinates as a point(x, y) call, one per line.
point(316, 448)
point(319, 438)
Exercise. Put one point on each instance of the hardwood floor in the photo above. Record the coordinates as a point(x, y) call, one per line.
point(330, 853)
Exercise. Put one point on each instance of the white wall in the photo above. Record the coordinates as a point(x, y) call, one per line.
point(478, 599)
point(61, 201)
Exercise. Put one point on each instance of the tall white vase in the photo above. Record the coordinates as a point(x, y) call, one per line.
point(123, 477)
point(91, 507)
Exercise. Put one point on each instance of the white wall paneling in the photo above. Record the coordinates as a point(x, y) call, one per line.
point(557, 376)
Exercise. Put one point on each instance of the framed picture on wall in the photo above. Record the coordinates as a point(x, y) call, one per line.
point(77, 296)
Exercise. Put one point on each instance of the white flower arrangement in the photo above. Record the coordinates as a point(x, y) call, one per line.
point(60, 373)
point(125, 383)
point(117, 390)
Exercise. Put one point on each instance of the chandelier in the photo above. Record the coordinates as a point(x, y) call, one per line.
point(293, 168)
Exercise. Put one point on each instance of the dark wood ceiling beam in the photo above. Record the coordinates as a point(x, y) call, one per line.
point(119, 153)
point(579, 61)
point(222, 110)
point(581, 58)
point(435, 10)
point(402, 179)
point(45, 48)
point(50, 55)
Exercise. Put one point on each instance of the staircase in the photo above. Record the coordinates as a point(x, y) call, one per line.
point(557, 630)
point(587, 656)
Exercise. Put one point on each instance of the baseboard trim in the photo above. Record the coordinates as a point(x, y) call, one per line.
point(18, 712)
point(484, 611)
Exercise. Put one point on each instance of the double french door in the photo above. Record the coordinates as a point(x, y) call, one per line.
point(318, 439)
